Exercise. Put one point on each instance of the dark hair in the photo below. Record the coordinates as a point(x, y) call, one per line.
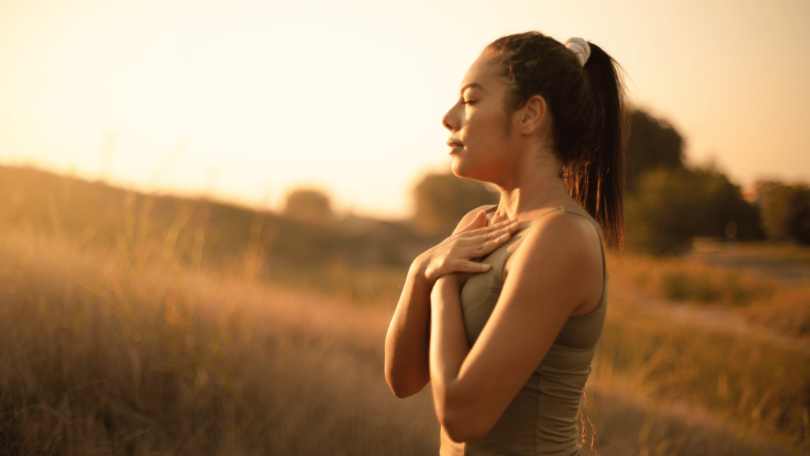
point(589, 124)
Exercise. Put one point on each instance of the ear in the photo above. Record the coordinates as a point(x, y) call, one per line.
point(534, 114)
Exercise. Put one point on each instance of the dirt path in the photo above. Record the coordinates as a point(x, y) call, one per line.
point(786, 264)
point(717, 320)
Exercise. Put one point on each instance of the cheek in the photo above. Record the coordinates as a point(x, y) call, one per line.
point(486, 131)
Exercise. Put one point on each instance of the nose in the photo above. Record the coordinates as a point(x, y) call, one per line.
point(448, 122)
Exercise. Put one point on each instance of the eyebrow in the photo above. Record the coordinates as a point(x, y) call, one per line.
point(474, 85)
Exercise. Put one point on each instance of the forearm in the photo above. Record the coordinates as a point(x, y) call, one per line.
point(448, 346)
point(407, 340)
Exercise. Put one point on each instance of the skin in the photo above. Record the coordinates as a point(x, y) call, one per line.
point(426, 340)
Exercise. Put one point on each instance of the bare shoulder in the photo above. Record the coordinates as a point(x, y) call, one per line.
point(569, 242)
point(469, 216)
point(566, 231)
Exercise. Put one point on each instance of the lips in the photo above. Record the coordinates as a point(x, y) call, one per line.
point(454, 143)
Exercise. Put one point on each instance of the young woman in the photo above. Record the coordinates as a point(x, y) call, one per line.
point(502, 317)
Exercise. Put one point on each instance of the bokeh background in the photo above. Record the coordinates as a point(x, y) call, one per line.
point(208, 209)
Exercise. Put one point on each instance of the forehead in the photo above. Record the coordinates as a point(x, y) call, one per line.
point(482, 73)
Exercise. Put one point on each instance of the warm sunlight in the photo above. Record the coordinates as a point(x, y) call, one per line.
point(230, 227)
point(245, 100)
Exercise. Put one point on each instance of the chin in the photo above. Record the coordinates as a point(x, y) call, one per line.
point(457, 168)
point(463, 170)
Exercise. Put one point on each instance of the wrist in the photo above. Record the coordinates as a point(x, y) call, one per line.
point(419, 269)
point(445, 286)
point(447, 281)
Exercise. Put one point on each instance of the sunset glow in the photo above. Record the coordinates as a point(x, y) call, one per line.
point(245, 100)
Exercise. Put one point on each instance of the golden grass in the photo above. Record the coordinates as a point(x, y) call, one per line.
point(132, 351)
point(363, 286)
point(688, 279)
point(787, 311)
point(759, 386)
point(781, 306)
point(727, 360)
point(100, 356)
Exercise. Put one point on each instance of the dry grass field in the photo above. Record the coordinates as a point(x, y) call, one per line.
point(101, 356)
point(136, 347)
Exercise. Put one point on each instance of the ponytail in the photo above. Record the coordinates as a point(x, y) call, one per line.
point(589, 124)
point(596, 179)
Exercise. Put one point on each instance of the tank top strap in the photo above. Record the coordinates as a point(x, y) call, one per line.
point(553, 211)
point(573, 211)
point(586, 216)
point(489, 213)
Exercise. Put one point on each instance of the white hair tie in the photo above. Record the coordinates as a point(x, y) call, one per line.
point(580, 48)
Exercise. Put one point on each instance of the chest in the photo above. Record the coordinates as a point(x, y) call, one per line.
point(481, 291)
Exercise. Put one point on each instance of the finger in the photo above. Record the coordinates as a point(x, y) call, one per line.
point(470, 266)
point(483, 248)
point(509, 225)
point(495, 231)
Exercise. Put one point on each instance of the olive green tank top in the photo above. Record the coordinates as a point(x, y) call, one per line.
point(542, 418)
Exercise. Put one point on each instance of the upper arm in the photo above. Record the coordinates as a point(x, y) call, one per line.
point(552, 274)
point(469, 216)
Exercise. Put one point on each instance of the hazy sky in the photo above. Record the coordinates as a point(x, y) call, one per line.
point(247, 99)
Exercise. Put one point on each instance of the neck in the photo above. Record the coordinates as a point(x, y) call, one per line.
point(533, 186)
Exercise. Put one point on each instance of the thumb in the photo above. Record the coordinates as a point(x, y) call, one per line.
point(479, 221)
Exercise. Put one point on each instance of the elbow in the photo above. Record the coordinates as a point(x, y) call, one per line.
point(397, 389)
point(463, 427)
point(462, 422)
point(401, 393)
point(399, 386)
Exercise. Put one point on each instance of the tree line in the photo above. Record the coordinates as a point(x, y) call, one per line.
point(667, 202)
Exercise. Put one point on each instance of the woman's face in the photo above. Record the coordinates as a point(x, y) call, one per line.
point(479, 135)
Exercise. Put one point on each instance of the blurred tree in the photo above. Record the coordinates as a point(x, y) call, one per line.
point(442, 199)
point(309, 205)
point(671, 206)
point(653, 143)
point(785, 211)
point(654, 214)
point(797, 216)
point(719, 204)
point(773, 198)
